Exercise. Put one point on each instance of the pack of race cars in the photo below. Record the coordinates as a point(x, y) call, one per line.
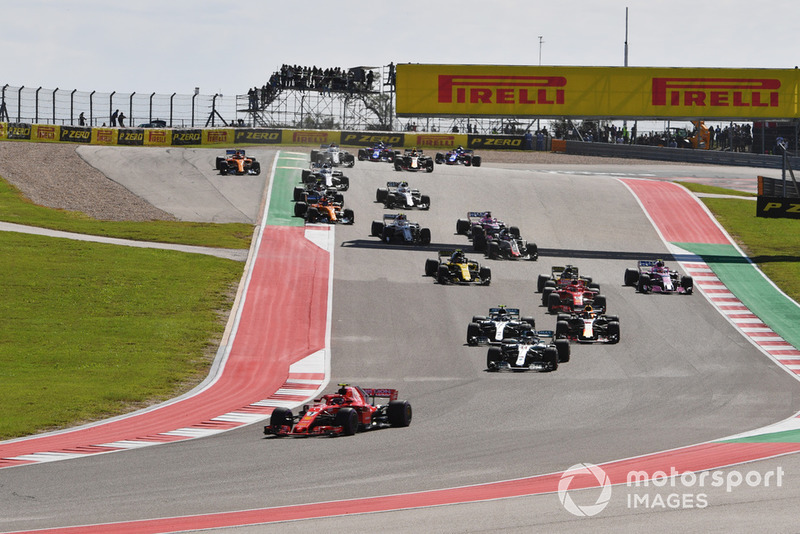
point(513, 342)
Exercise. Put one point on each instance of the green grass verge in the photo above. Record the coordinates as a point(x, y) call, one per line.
point(15, 208)
point(772, 244)
point(93, 330)
point(714, 190)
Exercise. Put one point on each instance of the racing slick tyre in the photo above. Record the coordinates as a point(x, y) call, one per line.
point(425, 236)
point(344, 183)
point(300, 209)
point(478, 318)
point(315, 156)
point(553, 302)
point(377, 229)
point(546, 295)
point(514, 231)
point(398, 165)
point(347, 418)
point(280, 417)
point(550, 357)
point(429, 165)
point(388, 201)
point(476, 161)
point(439, 158)
point(613, 332)
point(599, 301)
point(348, 217)
point(562, 347)
point(533, 251)
point(540, 282)
point(562, 329)
point(485, 275)
point(387, 234)
point(473, 333)
point(467, 161)
point(594, 286)
point(424, 202)
point(399, 413)
point(644, 284)
point(687, 283)
point(531, 321)
point(479, 241)
point(306, 177)
point(631, 277)
point(223, 168)
point(493, 358)
point(442, 274)
point(431, 266)
point(312, 215)
point(298, 194)
point(338, 198)
point(462, 226)
point(256, 168)
point(362, 154)
point(349, 161)
point(218, 163)
point(492, 251)
point(380, 194)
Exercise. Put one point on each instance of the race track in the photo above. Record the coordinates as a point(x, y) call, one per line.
point(681, 375)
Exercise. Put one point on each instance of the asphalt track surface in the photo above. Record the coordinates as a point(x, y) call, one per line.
point(682, 375)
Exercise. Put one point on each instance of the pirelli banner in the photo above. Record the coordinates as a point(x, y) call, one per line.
point(602, 92)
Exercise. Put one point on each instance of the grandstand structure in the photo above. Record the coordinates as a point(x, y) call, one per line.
point(340, 106)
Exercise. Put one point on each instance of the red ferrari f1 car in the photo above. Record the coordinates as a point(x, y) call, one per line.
point(351, 409)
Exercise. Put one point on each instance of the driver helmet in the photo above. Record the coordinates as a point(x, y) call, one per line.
point(588, 308)
point(400, 217)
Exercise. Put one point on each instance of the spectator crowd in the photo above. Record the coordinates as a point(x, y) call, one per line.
point(295, 77)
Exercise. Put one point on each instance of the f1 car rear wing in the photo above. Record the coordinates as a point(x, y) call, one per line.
point(232, 151)
point(476, 214)
point(545, 333)
point(390, 394)
point(509, 311)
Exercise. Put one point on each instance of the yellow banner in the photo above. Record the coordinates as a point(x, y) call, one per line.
point(221, 136)
point(104, 136)
point(605, 92)
point(310, 137)
point(45, 133)
point(435, 141)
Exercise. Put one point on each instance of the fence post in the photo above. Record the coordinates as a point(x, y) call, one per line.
point(111, 107)
point(193, 97)
point(36, 120)
point(130, 109)
point(72, 107)
point(170, 108)
point(91, 108)
point(54, 104)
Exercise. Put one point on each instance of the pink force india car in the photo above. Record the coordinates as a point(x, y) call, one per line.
point(655, 277)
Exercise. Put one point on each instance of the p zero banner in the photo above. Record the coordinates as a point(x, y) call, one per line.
point(259, 136)
point(18, 130)
point(367, 139)
point(186, 137)
point(73, 134)
point(585, 92)
point(778, 207)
